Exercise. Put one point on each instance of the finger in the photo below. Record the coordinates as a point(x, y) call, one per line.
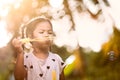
point(13, 41)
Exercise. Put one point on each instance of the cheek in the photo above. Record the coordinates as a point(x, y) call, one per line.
point(37, 35)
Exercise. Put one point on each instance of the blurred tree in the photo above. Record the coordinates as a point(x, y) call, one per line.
point(104, 65)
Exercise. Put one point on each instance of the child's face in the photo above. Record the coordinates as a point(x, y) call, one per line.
point(42, 31)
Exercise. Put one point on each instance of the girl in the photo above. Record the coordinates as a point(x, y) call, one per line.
point(40, 63)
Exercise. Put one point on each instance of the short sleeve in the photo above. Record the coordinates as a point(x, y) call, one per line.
point(60, 62)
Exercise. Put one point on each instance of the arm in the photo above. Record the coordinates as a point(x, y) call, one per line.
point(19, 71)
point(62, 77)
point(61, 67)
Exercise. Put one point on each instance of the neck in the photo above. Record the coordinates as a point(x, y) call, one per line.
point(40, 50)
point(41, 53)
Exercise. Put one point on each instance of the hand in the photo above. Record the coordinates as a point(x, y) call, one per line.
point(17, 43)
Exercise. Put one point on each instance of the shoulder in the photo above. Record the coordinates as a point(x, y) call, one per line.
point(60, 63)
point(58, 58)
point(55, 55)
point(28, 56)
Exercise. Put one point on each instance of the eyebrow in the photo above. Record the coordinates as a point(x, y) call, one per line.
point(46, 30)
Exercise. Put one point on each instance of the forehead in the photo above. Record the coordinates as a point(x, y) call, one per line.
point(43, 26)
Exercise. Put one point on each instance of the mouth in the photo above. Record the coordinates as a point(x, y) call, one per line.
point(26, 40)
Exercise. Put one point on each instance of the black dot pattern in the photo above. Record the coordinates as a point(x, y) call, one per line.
point(31, 67)
point(48, 67)
point(53, 60)
point(41, 75)
point(62, 63)
point(25, 66)
point(26, 56)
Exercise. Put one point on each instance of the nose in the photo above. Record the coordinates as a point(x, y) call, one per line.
point(46, 34)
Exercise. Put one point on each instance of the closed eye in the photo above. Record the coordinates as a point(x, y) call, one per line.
point(50, 32)
point(41, 32)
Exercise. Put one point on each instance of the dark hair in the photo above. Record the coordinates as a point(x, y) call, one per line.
point(31, 25)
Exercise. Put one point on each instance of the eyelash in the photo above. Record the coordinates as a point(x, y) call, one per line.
point(48, 32)
point(41, 32)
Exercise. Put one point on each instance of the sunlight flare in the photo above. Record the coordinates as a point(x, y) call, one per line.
point(4, 35)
